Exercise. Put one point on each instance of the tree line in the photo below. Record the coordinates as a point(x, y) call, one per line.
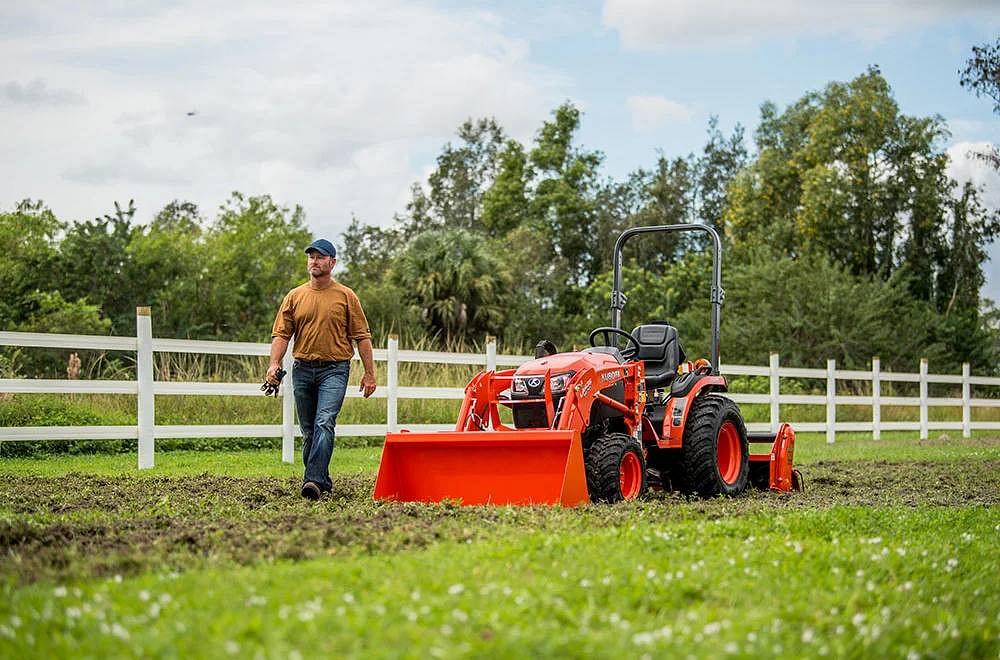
point(844, 238)
point(843, 235)
point(206, 279)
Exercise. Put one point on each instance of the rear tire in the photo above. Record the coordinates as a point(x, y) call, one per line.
point(715, 458)
point(616, 468)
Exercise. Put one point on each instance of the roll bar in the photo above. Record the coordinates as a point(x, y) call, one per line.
point(718, 294)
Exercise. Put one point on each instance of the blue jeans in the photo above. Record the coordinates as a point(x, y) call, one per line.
point(319, 393)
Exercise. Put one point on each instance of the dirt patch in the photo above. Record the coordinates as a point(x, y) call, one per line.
point(914, 483)
point(76, 492)
point(82, 525)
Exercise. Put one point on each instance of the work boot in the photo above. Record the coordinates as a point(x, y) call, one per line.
point(310, 491)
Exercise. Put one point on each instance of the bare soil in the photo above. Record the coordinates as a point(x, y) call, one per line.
point(82, 525)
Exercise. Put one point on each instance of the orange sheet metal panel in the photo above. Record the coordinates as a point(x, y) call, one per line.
point(483, 467)
point(782, 472)
point(782, 456)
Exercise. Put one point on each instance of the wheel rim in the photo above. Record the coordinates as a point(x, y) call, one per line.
point(728, 456)
point(630, 476)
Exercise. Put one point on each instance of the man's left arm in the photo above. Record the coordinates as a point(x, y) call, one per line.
point(368, 360)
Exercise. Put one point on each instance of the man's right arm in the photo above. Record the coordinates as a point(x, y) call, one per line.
point(278, 347)
point(281, 334)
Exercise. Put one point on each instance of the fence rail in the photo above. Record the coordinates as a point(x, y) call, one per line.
point(146, 388)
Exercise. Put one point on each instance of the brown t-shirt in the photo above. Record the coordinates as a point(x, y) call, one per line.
point(325, 322)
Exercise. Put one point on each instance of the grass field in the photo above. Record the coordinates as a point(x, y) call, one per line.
point(890, 552)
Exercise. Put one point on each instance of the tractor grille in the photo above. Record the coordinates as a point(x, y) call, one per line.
point(530, 416)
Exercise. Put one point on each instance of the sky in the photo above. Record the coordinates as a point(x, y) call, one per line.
point(342, 106)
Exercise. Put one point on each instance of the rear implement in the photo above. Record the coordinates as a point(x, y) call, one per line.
point(775, 469)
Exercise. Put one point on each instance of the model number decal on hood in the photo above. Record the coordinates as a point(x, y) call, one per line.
point(611, 375)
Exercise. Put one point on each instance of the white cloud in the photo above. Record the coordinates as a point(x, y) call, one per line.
point(964, 167)
point(323, 104)
point(664, 23)
point(36, 93)
point(651, 112)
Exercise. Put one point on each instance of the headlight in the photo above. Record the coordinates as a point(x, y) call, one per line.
point(560, 381)
point(519, 387)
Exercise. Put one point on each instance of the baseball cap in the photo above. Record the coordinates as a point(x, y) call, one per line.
point(323, 246)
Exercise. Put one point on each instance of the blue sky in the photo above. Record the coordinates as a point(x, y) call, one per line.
point(342, 106)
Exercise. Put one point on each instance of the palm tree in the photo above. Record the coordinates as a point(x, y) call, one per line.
point(454, 279)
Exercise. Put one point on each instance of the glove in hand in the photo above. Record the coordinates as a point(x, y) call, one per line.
point(270, 389)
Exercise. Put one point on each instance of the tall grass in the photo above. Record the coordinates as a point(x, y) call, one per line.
point(103, 409)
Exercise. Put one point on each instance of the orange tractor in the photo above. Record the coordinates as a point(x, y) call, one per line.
point(601, 424)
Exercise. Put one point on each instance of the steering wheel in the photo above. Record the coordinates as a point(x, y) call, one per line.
point(607, 333)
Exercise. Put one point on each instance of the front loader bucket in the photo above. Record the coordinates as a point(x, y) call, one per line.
point(483, 467)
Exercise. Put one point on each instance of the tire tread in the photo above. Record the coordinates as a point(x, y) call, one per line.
point(602, 465)
point(698, 471)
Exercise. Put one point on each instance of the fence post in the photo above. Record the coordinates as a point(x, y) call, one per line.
point(144, 379)
point(491, 353)
point(392, 384)
point(775, 391)
point(876, 399)
point(923, 398)
point(288, 408)
point(966, 401)
point(831, 402)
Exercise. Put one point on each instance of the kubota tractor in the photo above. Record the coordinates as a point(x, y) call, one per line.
point(599, 424)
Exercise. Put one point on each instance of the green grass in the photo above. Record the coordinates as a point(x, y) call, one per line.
point(252, 463)
point(810, 448)
point(842, 582)
point(895, 446)
point(110, 410)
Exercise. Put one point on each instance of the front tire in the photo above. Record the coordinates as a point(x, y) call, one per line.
point(616, 468)
point(715, 458)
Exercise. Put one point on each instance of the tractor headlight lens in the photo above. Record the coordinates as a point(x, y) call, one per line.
point(559, 382)
point(533, 384)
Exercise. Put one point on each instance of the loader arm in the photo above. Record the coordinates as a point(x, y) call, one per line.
point(480, 409)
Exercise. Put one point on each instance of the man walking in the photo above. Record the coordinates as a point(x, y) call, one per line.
point(326, 318)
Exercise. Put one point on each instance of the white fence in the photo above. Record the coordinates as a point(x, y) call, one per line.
point(146, 388)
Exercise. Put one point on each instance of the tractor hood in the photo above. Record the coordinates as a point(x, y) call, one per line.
point(563, 362)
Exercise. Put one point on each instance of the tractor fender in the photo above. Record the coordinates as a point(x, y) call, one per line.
point(678, 407)
point(609, 392)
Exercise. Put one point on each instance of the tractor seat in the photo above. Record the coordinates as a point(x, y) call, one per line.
point(660, 351)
